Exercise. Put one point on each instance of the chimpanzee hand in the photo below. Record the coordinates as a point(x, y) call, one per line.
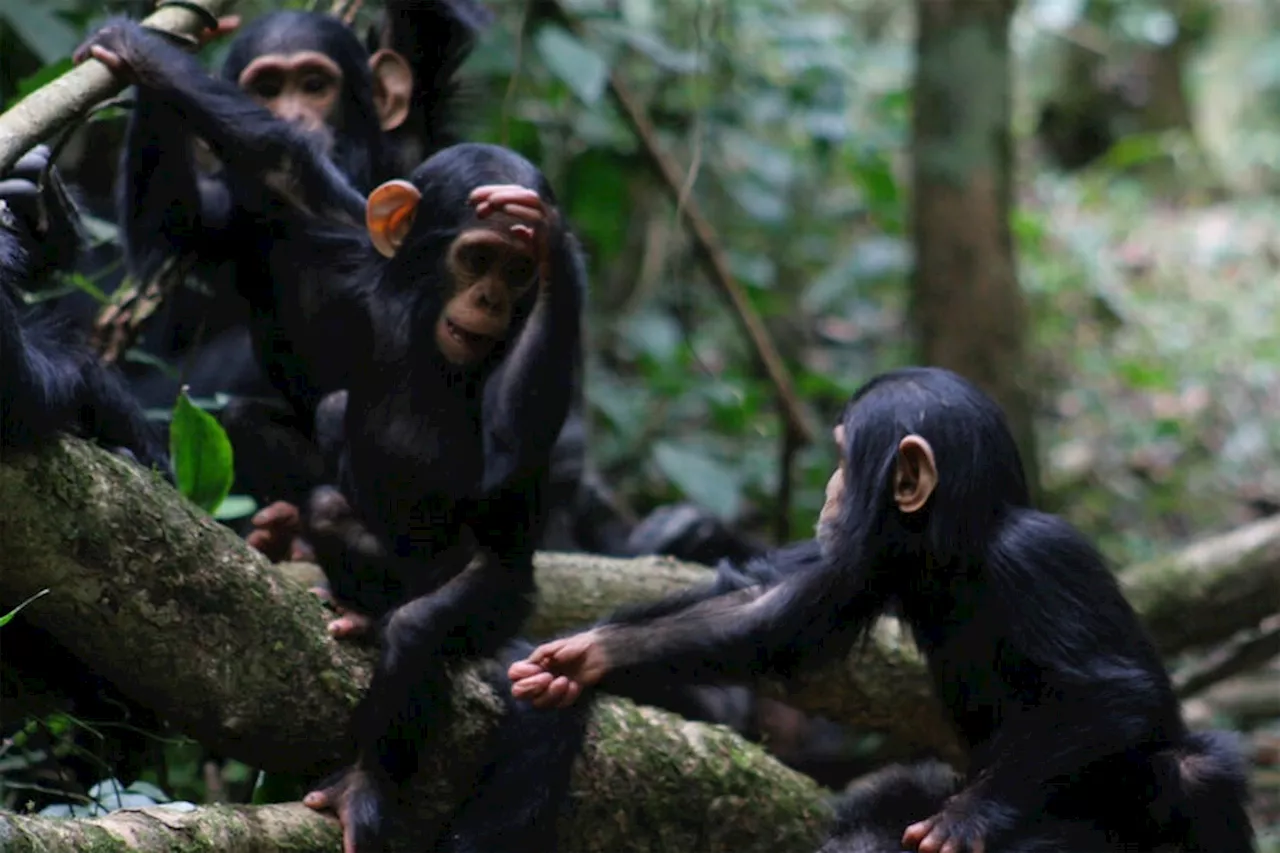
point(555, 673)
point(20, 191)
point(277, 533)
point(112, 45)
point(339, 795)
point(331, 519)
point(525, 204)
point(958, 828)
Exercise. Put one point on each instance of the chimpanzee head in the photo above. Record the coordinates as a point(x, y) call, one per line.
point(927, 467)
point(310, 68)
point(474, 277)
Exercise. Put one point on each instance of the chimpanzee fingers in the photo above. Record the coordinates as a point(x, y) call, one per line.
point(330, 800)
point(522, 669)
point(302, 552)
point(227, 24)
point(276, 513)
point(324, 594)
point(18, 188)
point(545, 654)
point(115, 64)
point(318, 800)
point(571, 691)
point(350, 625)
point(33, 163)
point(916, 832)
point(532, 686)
point(500, 194)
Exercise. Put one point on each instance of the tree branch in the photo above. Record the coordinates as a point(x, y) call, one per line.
point(61, 102)
point(182, 617)
point(129, 562)
point(705, 240)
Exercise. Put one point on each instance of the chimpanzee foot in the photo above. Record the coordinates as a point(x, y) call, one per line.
point(277, 533)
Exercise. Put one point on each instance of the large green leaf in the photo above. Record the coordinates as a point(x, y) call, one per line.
point(37, 24)
point(201, 452)
point(580, 68)
point(704, 480)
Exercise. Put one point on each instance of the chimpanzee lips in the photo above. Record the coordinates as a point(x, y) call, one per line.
point(465, 336)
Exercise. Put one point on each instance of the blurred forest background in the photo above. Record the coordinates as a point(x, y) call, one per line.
point(1145, 221)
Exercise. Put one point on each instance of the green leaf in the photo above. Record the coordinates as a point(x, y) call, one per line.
point(597, 183)
point(202, 460)
point(705, 481)
point(235, 506)
point(580, 68)
point(36, 24)
point(8, 617)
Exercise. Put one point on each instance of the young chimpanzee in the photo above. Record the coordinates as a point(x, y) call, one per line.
point(48, 380)
point(1074, 732)
point(311, 69)
point(456, 297)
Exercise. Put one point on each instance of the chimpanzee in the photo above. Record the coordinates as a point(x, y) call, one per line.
point(435, 38)
point(1066, 708)
point(456, 295)
point(308, 68)
point(48, 380)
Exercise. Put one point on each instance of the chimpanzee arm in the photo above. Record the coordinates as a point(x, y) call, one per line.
point(49, 382)
point(251, 142)
point(813, 614)
point(164, 207)
point(765, 569)
point(528, 397)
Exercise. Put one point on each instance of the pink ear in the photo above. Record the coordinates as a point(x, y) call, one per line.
point(389, 214)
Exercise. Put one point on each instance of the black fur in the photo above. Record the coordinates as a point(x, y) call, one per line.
point(443, 469)
point(50, 381)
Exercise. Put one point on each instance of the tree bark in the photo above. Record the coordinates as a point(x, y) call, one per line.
point(966, 308)
point(185, 619)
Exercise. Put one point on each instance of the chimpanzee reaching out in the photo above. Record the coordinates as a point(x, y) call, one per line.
point(1074, 733)
point(48, 380)
point(456, 298)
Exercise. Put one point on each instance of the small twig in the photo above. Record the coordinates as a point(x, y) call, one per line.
point(1240, 655)
point(706, 242)
point(62, 101)
point(120, 322)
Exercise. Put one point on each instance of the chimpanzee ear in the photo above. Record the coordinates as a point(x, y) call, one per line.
point(392, 87)
point(389, 215)
point(916, 474)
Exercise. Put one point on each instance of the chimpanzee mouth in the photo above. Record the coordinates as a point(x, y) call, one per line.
point(464, 336)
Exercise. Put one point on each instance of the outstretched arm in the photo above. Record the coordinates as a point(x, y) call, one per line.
point(812, 614)
point(251, 142)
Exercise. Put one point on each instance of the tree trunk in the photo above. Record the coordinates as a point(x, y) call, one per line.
point(966, 308)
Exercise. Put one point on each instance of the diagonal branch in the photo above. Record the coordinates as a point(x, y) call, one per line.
point(705, 241)
point(61, 102)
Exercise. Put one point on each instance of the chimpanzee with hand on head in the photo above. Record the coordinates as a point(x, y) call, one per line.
point(49, 381)
point(311, 69)
point(456, 296)
point(1075, 736)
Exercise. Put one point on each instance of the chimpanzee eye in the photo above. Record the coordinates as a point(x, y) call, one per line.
point(477, 258)
point(266, 86)
point(520, 271)
point(315, 83)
